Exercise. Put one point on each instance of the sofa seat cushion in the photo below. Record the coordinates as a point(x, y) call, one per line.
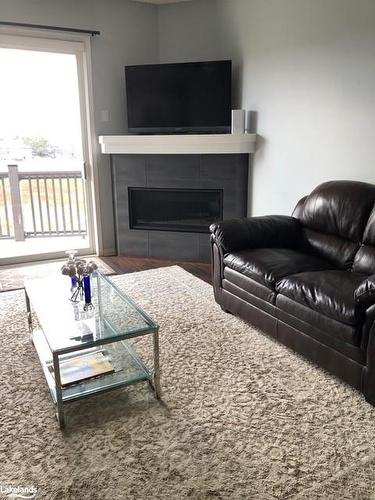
point(328, 292)
point(269, 265)
point(251, 286)
point(328, 331)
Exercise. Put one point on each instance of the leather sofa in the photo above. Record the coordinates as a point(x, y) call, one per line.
point(309, 279)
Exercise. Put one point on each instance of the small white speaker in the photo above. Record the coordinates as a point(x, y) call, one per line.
point(238, 121)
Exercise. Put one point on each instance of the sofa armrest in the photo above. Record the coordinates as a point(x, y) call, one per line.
point(270, 231)
point(365, 292)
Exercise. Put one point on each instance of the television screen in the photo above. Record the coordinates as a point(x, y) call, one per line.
point(179, 98)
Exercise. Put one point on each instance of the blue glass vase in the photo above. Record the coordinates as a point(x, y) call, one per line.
point(87, 289)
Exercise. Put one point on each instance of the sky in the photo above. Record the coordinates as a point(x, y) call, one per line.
point(39, 97)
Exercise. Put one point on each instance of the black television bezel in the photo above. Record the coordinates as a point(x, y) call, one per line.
point(220, 129)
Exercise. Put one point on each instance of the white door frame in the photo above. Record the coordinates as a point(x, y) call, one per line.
point(79, 45)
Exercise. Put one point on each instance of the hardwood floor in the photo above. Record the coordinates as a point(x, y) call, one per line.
point(123, 265)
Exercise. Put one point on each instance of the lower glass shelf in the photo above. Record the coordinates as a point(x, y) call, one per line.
point(129, 369)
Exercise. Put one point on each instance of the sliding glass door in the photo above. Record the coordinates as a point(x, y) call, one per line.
point(45, 200)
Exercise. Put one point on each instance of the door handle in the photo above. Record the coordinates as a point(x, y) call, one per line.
point(85, 170)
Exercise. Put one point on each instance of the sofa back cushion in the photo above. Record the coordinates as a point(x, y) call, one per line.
point(339, 251)
point(341, 208)
point(334, 217)
point(364, 261)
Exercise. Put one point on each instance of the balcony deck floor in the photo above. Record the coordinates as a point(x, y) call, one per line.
point(9, 248)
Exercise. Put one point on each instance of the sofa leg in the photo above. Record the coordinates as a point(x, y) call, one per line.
point(368, 387)
point(370, 400)
point(225, 310)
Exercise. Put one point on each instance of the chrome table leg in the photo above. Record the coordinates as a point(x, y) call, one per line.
point(157, 387)
point(59, 401)
point(28, 309)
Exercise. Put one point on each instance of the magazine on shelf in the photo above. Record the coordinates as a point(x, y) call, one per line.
point(84, 367)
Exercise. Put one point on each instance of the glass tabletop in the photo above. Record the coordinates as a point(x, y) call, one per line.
point(67, 327)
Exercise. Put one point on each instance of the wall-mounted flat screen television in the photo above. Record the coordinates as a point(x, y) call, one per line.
point(179, 98)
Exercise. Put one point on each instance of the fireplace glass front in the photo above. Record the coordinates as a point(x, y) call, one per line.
point(188, 210)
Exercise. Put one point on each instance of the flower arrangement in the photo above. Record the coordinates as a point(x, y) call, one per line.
point(79, 270)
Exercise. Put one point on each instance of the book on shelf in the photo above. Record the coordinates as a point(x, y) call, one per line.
point(84, 367)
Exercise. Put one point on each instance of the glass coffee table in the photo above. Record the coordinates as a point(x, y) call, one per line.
point(84, 353)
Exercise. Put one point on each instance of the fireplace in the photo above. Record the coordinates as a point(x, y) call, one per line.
point(173, 209)
point(165, 203)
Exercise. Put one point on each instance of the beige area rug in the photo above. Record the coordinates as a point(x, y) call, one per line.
point(12, 277)
point(243, 417)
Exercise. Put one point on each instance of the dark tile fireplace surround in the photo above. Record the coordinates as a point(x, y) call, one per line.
point(165, 203)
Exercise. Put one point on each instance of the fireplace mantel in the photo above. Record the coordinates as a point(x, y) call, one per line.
point(178, 144)
point(180, 163)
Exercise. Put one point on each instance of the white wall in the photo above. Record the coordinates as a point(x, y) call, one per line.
point(307, 67)
point(128, 36)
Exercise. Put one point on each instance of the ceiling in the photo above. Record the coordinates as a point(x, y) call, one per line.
point(160, 2)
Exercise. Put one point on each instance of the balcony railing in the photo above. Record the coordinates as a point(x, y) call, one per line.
point(36, 204)
point(6, 220)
